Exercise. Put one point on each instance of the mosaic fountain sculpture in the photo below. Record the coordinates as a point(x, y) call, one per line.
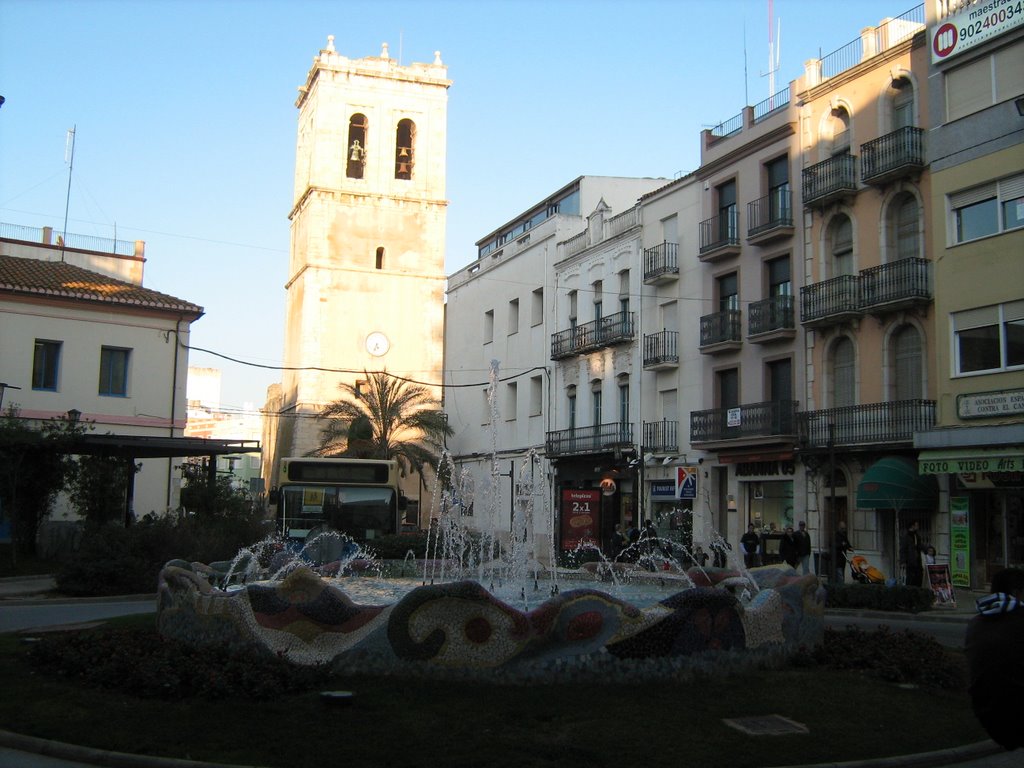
point(452, 624)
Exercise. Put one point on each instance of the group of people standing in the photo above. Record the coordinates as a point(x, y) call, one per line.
point(794, 547)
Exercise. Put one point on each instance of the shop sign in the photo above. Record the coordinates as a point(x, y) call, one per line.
point(663, 489)
point(686, 482)
point(765, 468)
point(974, 25)
point(968, 462)
point(581, 517)
point(960, 540)
point(982, 405)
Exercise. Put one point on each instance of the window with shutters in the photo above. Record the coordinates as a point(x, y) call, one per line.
point(904, 228)
point(989, 339)
point(987, 209)
point(907, 370)
point(841, 244)
point(843, 374)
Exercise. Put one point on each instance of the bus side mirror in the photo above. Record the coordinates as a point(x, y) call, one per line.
point(403, 502)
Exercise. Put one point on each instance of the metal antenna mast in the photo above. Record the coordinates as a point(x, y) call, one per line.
point(69, 157)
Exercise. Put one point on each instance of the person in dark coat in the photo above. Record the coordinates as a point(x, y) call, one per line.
point(750, 545)
point(842, 546)
point(803, 547)
point(994, 645)
point(618, 541)
point(789, 549)
point(910, 554)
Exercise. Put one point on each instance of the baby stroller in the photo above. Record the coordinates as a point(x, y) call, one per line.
point(864, 572)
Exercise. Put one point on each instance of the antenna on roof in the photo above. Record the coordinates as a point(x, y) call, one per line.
point(774, 50)
point(69, 158)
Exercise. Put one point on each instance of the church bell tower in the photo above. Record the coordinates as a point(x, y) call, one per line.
point(365, 289)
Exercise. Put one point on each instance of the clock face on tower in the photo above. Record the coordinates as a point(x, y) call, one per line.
point(377, 344)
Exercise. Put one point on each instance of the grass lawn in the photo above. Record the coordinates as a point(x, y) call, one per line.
point(398, 723)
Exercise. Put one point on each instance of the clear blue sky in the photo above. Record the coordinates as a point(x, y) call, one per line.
point(185, 119)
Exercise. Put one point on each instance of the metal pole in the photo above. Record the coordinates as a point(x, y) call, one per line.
point(833, 516)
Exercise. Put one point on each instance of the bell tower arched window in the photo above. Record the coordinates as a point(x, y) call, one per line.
point(358, 127)
point(405, 147)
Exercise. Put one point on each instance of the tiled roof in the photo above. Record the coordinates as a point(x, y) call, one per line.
point(57, 279)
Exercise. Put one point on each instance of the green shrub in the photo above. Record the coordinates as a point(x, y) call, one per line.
point(879, 597)
point(142, 663)
point(114, 560)
point(899, 657)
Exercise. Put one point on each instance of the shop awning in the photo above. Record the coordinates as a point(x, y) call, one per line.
point(962, 460)
point(894, 483)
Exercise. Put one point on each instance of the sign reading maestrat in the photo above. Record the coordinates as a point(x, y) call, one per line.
point(974, 25)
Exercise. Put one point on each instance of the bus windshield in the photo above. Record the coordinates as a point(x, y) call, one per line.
point(363, 513)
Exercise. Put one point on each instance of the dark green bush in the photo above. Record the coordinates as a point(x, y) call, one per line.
point(879, 597)
point(142, 663)
point(899, 657)
point(114, 560)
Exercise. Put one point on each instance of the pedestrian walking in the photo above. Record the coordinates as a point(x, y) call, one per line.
point(803, 546)
point(839, 551)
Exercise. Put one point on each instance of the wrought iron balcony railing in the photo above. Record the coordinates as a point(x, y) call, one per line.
point(720, 235)
point(770, 315)
point(830, 180)
point(661, 436)
point(770, 215)
point(773, 418)
point(720, 328)
point(892, 156)
point(661, 349)
point(610, 330)
point(871, 423)
point(904, 283)
point(594, 439)
point(661, 262)
point(830, 300)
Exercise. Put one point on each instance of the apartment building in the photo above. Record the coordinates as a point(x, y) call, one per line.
point(527, 336)
point(750, 254)
point(976, 158)
point(867, 302)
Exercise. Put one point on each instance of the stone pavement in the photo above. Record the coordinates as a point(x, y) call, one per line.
point(18, 751)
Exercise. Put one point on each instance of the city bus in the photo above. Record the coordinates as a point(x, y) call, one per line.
point(359, 497)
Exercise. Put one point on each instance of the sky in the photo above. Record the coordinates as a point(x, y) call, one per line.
point(185, 121)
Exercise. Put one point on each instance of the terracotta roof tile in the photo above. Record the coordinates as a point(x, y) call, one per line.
point(53, 278)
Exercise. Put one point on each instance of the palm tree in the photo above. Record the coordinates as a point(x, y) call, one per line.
point(390, 419)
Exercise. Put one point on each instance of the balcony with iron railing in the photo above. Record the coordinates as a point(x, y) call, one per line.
point(720, 236)
point(598, 334)
point(830, 301)
point(868, 424)
point(594, 439)
point(661, 436)
point(772, 419)
point(721, 332)
point(898, 285)
point(771, 319)
point(894, 156)
point(661, 263)
point(830, 180)
point(661, 350)
point(770, 217)
point(891, 287)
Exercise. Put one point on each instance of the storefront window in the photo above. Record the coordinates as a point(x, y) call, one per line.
point(770, 505)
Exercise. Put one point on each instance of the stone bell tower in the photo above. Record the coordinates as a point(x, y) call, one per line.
point(366, 280)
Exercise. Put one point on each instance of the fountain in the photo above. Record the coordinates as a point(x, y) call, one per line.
point(478, 604)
